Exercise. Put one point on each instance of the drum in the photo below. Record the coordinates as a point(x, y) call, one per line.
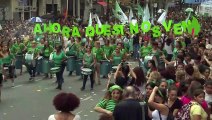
point(19, 61)
point(114, 68)
point(71, 64)
point(78, 67)
point(104, 67)
point(54, 70)
point(45, 66)
point(29, 57)
point(86, 71)
point(39, 64)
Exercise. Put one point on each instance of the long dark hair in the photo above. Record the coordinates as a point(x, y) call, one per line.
point(162, 93)
point(141, 79)
point(125, 70)
point(153, 64)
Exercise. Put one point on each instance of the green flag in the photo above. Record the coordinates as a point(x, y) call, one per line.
point(120, 14)
point(140, 10)
point(90, 20)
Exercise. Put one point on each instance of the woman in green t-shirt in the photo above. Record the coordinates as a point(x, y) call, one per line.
point(88, 62)
point(116, 58)
point(31, 61)
point(98, 53)
point(8, 60)
point(59, 59)
point(46, 51)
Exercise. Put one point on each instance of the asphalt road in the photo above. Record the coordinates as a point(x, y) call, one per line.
point(33, 100)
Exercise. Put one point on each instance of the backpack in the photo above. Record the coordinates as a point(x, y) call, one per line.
point(184, 112)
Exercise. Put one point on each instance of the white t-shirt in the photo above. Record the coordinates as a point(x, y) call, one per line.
point(208, 98)
point(77, 117)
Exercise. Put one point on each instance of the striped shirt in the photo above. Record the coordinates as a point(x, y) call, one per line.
point(107, 104)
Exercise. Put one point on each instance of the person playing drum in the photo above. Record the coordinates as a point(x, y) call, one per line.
point(8, 60)
point(107, 49)
point(71, 51)
point(88, 62)
point(46, 51)
point(98, 52)
point(32, 52)
point(19, 48)
point(59, 59)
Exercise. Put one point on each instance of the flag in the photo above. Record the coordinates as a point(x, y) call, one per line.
point(120, 14)
point(140, 11)
point(162, 18)
point(98, 21)
point(130, 15)
point(90, 20)
point(189, 14)
point(146, 15)
point(152, 18)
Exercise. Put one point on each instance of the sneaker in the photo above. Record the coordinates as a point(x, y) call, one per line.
point(91, 89)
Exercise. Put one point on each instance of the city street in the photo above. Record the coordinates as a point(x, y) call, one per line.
point(30, 100)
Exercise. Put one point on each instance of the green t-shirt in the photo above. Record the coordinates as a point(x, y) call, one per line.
point(117, 59)
point(40, 46)
point(107, 104)
point(13, 49)
point(8, 59)
point(113, 47)
point(47, 51)
point(34, 51)
point(81, 53)
point(58, 58)
point(144, 51)
point(107, 51)
point(98, 52)
point(20, 47)
point(72, 50)
point(89, 59)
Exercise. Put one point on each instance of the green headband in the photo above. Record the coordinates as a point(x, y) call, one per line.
point(160, 93)
point(115, 87)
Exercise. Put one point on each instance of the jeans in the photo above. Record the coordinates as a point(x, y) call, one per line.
point(59, 76)
point(85, 80)
point(135, 51)
point(31, 70)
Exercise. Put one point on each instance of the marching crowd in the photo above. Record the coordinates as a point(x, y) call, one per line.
point(173, 80)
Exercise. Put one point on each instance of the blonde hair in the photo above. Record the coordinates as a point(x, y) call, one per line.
point(180, 75)
point(154, 76)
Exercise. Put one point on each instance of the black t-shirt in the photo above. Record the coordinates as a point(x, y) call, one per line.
point(177, 105)
point(128, 109)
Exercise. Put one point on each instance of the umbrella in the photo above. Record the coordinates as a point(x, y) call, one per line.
point(189, 10)
point(35, 19)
